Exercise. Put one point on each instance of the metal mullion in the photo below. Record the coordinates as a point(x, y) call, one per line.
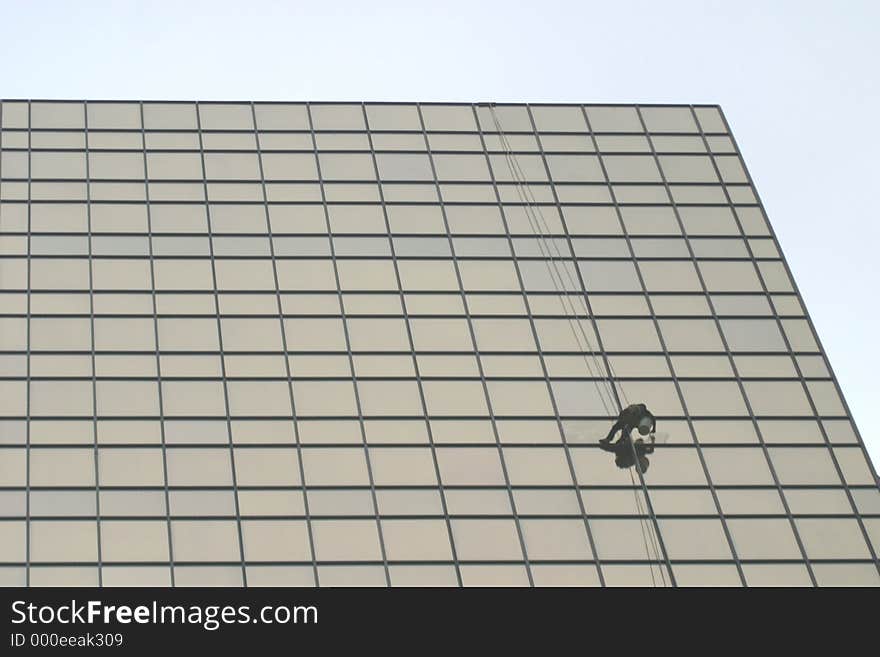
point(478, 359)
point(413, 445)
point(483, 516)
point(348, 348)
point(368, 257)
point(430, 316)
point(418, 376)
point(477, 562)
point(27, 527)
point(394, 417)
point(735, 370)
point(158, 357)
point(431, 516)
point(395, 377)
point(299, 181)
point(623, 487)
point(405, 445)
point(540, 350)
point(588, 306)
point(865, 536)
point(221, 356)
point(92, 345)
point(597, 293)
point(302, 476)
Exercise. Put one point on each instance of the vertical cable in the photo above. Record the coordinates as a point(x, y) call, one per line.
point(92, 347)
point(540, 226)
point(541, 358)
point(162, 436)
point(688, 419)
point(614, 201)
point(642, 525)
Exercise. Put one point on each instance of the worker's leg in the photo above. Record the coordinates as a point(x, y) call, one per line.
point(624, 457)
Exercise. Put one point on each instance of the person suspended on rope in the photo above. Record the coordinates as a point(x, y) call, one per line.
point(634, 416)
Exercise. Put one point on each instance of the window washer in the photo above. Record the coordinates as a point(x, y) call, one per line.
point(634, 416)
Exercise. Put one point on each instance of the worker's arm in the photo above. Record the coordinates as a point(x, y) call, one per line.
point(614, 429)
point(605, 445)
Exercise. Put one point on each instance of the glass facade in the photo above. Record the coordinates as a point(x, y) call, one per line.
point(375, 344)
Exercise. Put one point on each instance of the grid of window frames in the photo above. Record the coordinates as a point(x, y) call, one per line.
point(324, 344)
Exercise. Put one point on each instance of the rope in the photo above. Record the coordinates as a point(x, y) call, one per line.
point(572, 313)
point(652, 529)
point(541, 229)
point(642, 528)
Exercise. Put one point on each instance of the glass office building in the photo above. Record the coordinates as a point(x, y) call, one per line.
point(375, 344)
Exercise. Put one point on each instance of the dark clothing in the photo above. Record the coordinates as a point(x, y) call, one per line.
point(623, 452)
point(617, 426)
point(629, 419)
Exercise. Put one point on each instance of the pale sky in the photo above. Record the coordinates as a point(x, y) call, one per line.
point(797, 80)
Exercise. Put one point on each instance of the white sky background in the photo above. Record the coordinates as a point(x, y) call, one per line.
point(798, 82)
